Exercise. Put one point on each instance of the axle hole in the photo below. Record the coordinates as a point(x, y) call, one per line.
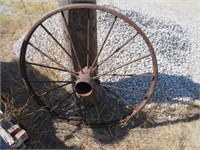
point(83, 89)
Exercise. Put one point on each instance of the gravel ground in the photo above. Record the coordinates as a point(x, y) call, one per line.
point(174, 35)
point(173, 29)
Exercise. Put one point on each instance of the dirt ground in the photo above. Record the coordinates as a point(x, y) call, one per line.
point(161, 127)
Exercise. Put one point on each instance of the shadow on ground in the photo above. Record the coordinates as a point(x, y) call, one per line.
point(37, 122)
point(41, 127)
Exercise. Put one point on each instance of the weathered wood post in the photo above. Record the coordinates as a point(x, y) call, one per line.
point(79, 21)
point(82, 27)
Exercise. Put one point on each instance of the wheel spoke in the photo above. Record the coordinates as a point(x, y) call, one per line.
point(62, 101)
point(123, 65)
point(79, 108)
point(85, 113)
point(98, 109)
point(71, 42)
point(111, 109)
point(53, 60)
point(88, 39)
point(119, 97)
point(51, 81)
point(55, 88)
point(56, 41)
point(50, 67)
point(106, 37)
point(119, 48)
point(131, 75)
point(123, 89)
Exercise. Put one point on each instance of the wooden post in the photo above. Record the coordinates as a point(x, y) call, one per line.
point(82, 26)
point(79, 21)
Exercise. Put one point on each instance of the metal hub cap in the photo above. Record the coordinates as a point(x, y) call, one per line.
point(84, 83)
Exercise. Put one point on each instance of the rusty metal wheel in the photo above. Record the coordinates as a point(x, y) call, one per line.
point(126, 64)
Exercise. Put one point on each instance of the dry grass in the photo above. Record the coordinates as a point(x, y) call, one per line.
point(4, 21)
point(168, 113)
point(171, 137)
point(23, 14)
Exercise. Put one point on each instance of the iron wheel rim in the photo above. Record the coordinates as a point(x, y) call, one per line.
point(32, 92)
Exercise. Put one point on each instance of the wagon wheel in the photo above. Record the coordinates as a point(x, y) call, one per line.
point(126, 78)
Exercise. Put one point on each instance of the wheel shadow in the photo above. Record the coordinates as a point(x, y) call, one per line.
point(170, 89)
point(38, 123)
point(42, 127)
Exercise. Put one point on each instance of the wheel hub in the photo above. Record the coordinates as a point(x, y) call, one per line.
point(84, 83)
